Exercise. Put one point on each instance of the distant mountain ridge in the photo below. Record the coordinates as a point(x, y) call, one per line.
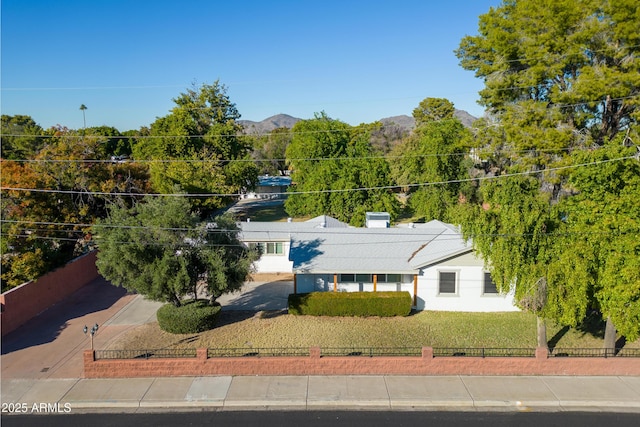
point(404, 122)
point(269, 124)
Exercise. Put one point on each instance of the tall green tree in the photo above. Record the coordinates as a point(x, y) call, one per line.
point(560, 78)
point(198, 148)
point(435, 155)
point(336, 172)
point(20, 137)
point(582, 56)
point(160, 249)
point(598, 249)
point(433, 109)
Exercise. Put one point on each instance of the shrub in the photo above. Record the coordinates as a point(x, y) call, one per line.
point(190, 317)
point(383, 304)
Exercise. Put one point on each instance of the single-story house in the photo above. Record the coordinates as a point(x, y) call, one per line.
point(274, 240)
point(431, 261)
point(270, 187)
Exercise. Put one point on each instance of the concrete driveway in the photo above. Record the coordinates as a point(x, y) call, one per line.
point(258, 296)
point(50, 345)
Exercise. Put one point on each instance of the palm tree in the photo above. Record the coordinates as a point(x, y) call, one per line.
point(84, 121)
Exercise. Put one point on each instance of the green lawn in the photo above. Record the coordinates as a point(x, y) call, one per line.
point(429, 328)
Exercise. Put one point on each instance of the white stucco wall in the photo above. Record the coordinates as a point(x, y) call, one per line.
point(469, 294)
point(271, 263)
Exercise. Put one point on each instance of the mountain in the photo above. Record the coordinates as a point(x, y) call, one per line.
point(403, 122)
point(269, 124)
point(407, 123)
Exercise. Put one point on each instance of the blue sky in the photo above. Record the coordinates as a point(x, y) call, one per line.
point(126, 60)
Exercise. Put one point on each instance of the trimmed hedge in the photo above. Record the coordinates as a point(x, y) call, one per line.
point(383, 304)
point(191, 317)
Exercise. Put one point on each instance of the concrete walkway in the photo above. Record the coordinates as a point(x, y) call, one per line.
point(42, 365)
point(457, 393)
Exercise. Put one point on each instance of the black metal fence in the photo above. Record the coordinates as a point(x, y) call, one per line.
point(594, 352)
point(257, 352)
point(484, 352)
point(167, 353)
point(366, 352)
point(371, 351)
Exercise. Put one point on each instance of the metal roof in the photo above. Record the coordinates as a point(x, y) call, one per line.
point(375, 250)
point(255, 231)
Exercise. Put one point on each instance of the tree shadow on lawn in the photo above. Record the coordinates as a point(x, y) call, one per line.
point(593, 325)
point(229, 317)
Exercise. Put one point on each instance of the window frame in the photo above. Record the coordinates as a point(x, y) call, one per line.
point(456, 278)
point(484, 285)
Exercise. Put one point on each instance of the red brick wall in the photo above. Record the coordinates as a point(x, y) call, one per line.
point(316, 365)
point(27, 300)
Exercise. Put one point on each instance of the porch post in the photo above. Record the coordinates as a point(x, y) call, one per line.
point(295, 283)
point(375, 283)
point(415, 289)
point(335, 282)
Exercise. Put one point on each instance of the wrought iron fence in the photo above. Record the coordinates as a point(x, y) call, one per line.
point(257, 352)
point(484, 352)
point(366, 352)
point(594, 352)
point(166, 353)
point(371, 351)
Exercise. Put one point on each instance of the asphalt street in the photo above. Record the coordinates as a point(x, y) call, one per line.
point(330, 418)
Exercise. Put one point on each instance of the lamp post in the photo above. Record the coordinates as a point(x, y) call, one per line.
point(92, 332)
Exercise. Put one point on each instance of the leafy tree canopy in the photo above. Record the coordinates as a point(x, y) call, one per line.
point(582, 56)
point(433, 109)
point(19, 137)
point(434, 155)
point(327, 157)
point(159, 249)
point(561, 85)
point(270, 151)
point(197, 148)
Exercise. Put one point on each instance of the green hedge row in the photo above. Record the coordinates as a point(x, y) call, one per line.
point(384, 304)
point(191, 317)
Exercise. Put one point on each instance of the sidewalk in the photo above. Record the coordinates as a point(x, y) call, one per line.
point(42, 365)
point(454, 393)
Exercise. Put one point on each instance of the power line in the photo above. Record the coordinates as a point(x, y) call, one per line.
point(291, 132)
point(327, 191)
point(244, 160)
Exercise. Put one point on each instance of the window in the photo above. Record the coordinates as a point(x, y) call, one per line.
point(489, 285)
point(347, 278)
point(393, 278)
point(275, 248)
point(257, 246)
point(364, 278)
point(447, 282)
point(270, 248)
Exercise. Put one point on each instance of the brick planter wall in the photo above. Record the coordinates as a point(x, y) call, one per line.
point(27, 300)
point(316, 365)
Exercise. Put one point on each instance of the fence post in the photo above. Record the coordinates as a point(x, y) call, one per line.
point(427, 352)
point(201, 353)
point(542, 353)
point(314, 352)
